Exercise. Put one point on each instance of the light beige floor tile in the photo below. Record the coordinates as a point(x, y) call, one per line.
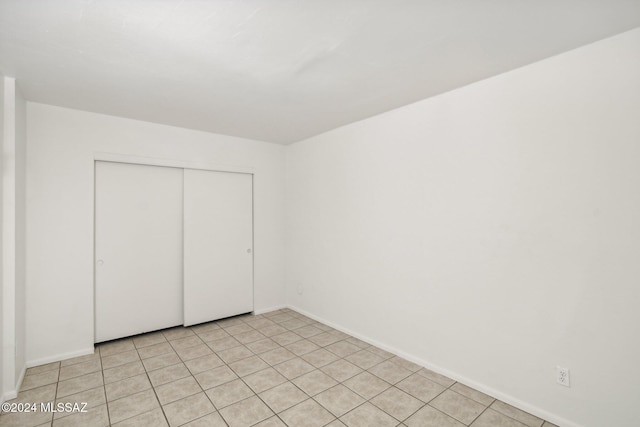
point(213, 335)
point(80, 359)
point(302, 347)
point(194, 352)
point(123, 371)
point(321, 326)
point(457, 406)
point(397, 403)
point(262, 345)
point(238, 329)
point(204, 328)
point(46, 393)
point(248, 366)
point(491, 418)
point(324, 339)
point(153, 418)
point(286, 338)
point(203, 363)
point(25, 419)
point(368, 415)
point(320, 357)
point(436, 377)
point(231, 321)
point(168, 374)
point(39, 380)
point(133, 405)
point(420, 387)
point(162, 361)
point(294, 368)
point(283, 397)
point(339, 400)
point(177, 390)
point(314, 382)
point(430, 417)
point(517, 414)
point(42, 368)
point(319, 361)
point(93, 398)
point(234, 354)
point(341, 370)
point(340, 334)
point(367, 385)
point(307, 414)
point(342, 348)
point(308, 331)
point(223, 344)
point(79, 369)
point(413, 367)
point(471, 393)
point(271, 422)
point(127, 387)
point(155, 350)
point(279, 318)
point(188, 409)
point(147, 340)
point(294, 324)
point(118, 359)
point(117, 346)
point(249, 337)
point(246, 412)
point(272, 330)
point(177, 333)
point(212, 420)
point(215, 377)
point(364, 359)
point(264, 380)
point(78, 384)
point(229, 393)
point(390, 372)
point(277, 356)
point(94, 417)
point(186, 342)
point(355, 341)
point(258, 323)
point(380, 352)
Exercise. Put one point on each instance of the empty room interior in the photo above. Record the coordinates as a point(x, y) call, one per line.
point(320, 213)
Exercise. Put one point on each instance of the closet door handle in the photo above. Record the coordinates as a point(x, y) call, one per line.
point(249, 250)
point(100, 263)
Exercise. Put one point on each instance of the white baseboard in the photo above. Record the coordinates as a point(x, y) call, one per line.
point(12, 394)
point(267, 310)
point(527, 407)
point(59, 357)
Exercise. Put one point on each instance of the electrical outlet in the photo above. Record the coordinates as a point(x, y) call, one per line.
point(562, 376)
point(300, 289)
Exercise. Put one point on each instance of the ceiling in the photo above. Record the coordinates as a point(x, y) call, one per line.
point(278, 70)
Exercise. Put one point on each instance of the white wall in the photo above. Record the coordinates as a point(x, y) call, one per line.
point(12, 237)
point(491, 233)
point(3, 346)
point(20, 231)
point(61, 147)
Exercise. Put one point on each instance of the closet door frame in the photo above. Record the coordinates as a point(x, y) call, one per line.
point(164, 162)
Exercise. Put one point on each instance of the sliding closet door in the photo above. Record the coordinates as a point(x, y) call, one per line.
point(218, 240)
point(138, 248)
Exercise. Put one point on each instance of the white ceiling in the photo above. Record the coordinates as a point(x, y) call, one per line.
point(277, 70)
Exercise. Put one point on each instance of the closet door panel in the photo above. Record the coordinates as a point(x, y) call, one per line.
point(138, 248)
point(218, 240)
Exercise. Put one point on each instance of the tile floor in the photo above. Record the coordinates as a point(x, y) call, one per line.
point(276, 369)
